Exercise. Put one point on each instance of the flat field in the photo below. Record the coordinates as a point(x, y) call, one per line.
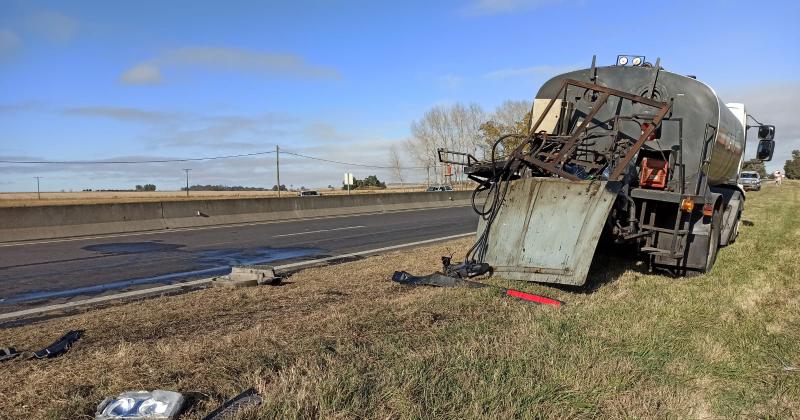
point(346, 342)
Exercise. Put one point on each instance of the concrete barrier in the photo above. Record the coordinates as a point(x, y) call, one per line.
point(49, 222)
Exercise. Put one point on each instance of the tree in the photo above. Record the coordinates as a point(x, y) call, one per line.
point(371, 181)
point(792, 167)
point(455, 127)
point(396, 163)
point(511, 117)
point(755, 165)
point(275, 187)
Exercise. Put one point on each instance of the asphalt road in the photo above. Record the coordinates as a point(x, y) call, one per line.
point(33, 274)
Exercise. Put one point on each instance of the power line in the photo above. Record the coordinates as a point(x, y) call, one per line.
point(103, 162)
point(350, 163)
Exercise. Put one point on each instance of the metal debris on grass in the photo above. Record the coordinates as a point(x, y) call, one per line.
point(441, 280)
point(228, 410)
point(60, 346)
point(249, 275)
point(8, 353)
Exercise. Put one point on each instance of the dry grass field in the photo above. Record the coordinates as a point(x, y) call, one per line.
point(27, 199)
point(346, 342)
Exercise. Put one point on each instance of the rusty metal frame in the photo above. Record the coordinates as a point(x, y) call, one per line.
point(571, 143)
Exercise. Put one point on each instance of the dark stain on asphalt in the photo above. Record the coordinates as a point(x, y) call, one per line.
point(208, 263)
point(123, 248)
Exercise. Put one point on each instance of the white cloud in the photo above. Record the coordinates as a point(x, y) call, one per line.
point(141, 74)
point(8, 41)
point(121, 113)
point(530, 71)
point(54, 26)
point(226, 132)
point(269, 64)
point(265, 64)
point(494, 7)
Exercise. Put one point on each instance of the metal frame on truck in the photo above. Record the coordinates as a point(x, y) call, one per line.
point(589, 133)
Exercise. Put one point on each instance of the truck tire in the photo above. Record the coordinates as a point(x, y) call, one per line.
point(713, 241)
point(735, 231)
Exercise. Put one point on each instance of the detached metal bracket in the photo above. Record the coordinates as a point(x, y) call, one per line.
point(556, 164)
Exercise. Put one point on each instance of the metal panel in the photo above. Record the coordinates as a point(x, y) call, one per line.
point(550, 121)
point(547, 229)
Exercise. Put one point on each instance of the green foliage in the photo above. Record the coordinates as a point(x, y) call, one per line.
point(370, 182)
point(755, 165)
point(275, 187)
point(146, 187)
point(792, 167)
point(492, 130)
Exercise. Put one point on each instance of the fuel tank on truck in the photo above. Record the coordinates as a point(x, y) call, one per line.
point(699, 124)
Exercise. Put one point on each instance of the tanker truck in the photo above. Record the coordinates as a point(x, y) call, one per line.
point(628, 153)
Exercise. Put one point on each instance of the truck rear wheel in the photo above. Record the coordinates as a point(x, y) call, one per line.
point(713, 241)
point(735, 231)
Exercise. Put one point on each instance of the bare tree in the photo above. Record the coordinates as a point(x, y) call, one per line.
point(456, 127)
point(396, 163)
point(510, 113)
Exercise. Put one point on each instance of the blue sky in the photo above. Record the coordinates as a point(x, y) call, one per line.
point(343, 80)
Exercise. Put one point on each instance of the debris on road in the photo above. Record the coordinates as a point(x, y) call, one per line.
point(441, 280)
point(228, 410)
point(466, 269)
point(60, 346)
point(158, 404)
point(249, 275)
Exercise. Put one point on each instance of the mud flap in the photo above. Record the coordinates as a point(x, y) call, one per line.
point(548, 228)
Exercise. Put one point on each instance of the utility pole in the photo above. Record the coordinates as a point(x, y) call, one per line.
point(187, 180)
point(38, 191)
point(278, 167)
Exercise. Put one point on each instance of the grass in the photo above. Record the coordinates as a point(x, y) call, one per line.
point(345, 342)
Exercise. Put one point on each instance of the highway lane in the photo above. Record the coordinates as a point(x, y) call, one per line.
point(32, 274)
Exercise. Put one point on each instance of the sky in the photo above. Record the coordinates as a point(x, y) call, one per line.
point(340, 80)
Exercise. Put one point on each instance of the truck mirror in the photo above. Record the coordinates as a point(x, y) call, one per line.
point(765, 149)
point(766, 132)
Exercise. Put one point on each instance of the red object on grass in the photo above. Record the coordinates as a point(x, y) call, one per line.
point(533, 298)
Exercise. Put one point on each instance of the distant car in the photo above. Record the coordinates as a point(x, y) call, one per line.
point(439, 188)
point(309, 194)
point(750, 180)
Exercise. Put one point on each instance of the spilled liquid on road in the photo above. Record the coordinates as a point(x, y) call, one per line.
point(216, 262)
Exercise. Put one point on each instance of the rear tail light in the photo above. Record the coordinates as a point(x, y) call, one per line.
point(687, 205)
point(654, 173)
point(708, 209)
